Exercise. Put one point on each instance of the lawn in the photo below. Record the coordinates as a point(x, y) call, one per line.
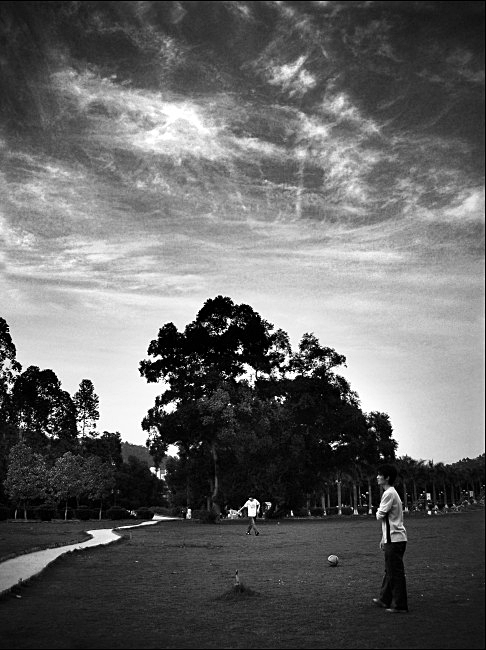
point(171, 585)
point(19, 536)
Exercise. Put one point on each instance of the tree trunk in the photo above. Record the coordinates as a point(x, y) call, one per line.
point(339, 497)
point(370, 498)
point(355, 498)
point(215, 505)
point(405, 498)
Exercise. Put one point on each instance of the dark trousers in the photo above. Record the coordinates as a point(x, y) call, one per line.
point(394, 587)
point(252, 524)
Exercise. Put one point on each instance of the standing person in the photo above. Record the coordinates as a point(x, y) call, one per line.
point(393, 594)
point(253, 507)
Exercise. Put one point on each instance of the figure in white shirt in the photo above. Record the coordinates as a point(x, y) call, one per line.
point(253, 507)
point(393, 594)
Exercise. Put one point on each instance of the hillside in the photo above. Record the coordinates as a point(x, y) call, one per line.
point(139, 451)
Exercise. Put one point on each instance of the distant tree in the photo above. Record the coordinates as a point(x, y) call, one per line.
point(136, 485)
point(27, 476)
point(99, 480)
point(108, 447)
point(188, 478)
point(67, 478)
point(87, 408)
point(405, 471)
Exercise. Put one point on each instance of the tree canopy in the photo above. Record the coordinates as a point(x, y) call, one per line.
point(233, 389)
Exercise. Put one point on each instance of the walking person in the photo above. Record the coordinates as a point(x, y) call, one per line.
point(393, 594)
point(253, 507)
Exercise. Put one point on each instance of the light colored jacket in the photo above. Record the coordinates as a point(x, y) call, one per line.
point(390, 513)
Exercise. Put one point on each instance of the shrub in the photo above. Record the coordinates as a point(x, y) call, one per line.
point(144, 513)
point(317, 512)
point(4, 512)
point(301, 512)
point(162, 510)
point(347, 510)
point(116, 512)
point(165, 511)
point(83, 513)
point(279, 512)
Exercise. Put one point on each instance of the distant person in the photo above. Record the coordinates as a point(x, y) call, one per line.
point(393, 594)
point(253, 506)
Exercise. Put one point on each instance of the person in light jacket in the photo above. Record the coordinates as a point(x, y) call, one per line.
point(393, 594)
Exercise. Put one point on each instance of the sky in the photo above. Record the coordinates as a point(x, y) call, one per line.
point(321, 162)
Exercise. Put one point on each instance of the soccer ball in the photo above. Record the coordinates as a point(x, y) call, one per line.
point(333, 560)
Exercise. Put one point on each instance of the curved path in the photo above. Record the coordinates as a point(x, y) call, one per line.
point(24, 567)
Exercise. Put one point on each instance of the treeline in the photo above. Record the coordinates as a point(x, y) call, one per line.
point(51, 452)
point(249, 414)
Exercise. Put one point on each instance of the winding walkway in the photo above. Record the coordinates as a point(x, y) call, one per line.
point(24, 567)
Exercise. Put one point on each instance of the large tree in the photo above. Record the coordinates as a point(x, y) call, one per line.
point(9, 366)
point(44, 414)
point(224, 344)
point(9, 371)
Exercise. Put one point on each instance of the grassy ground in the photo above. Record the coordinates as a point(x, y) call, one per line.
point(171, 585)
point(19, 536)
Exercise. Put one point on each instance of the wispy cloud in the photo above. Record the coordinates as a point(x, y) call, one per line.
point(320, 160)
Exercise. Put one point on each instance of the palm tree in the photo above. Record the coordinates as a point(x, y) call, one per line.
point(441, 474)
point(405, 469)
point(432, 478)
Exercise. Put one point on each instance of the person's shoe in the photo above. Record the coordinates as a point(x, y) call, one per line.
point(395, 610)
point(257, 533)
point(379, 603)
point(247, 533)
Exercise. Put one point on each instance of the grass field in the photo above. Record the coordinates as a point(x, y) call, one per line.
point(171, 585)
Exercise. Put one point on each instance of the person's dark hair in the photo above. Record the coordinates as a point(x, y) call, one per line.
point(388, 471)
